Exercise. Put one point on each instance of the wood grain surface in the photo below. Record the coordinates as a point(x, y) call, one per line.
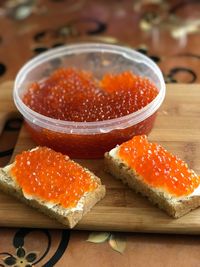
point(177, 128)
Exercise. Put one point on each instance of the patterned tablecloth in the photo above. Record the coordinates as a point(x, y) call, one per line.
point(168, 32)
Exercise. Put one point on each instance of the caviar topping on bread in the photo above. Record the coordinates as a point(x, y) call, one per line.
point(53, 183)
point(157, 174)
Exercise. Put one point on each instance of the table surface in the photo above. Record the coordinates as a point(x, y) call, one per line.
point(168, 32)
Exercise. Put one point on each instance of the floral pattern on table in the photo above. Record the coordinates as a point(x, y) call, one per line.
point(24, 257)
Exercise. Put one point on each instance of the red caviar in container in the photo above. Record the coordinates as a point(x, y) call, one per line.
point(75, 95)
point(99, 96)
point(158, 167)
point(52, 176)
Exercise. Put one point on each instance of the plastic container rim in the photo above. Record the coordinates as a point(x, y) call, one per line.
point(96, 127)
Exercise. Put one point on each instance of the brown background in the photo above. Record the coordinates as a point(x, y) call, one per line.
point(167, 31)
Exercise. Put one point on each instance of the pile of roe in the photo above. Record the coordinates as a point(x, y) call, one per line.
point(70, 94)
point(158, 167)
point(51, 176)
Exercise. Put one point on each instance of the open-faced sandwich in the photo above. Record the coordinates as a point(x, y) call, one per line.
point(157, 174)
point(52, 183)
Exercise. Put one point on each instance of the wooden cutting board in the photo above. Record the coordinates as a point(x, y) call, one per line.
point(177, 128)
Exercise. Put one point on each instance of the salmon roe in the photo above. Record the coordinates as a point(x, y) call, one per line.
point(158, 167)
point(52, 176)
point(70, 94)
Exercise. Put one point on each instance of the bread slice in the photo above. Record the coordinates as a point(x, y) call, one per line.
point(67, 216)
point(174, 206)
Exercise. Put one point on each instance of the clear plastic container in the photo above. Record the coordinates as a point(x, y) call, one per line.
point(88, 139)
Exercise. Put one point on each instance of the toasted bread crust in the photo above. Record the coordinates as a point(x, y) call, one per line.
point(68, 217)
point(175, 207)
